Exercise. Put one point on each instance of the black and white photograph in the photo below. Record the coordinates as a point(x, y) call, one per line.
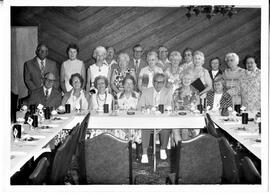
point(104, 97)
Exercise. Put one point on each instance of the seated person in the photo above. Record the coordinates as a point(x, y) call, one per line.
point(102, 96)
point(219, 98)
point(183, 99)
point(154, 96)
point(46, 95)
point(76, 97)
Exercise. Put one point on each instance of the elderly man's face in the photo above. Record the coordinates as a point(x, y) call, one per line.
point(42, 52)
point(159, 83)
point(231, 62)
point(137, 52)
point(250, 64)
point(49, 80)
point(110, 53)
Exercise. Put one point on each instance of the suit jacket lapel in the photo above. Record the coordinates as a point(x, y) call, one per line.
point(36, 66)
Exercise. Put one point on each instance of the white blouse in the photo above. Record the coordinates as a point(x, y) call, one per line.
point(216, 103)
point(95, 71)
point(70, 67)
point(77, 103)
point(125, 103)
point(98, 101)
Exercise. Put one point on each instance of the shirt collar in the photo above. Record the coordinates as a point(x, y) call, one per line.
point(39, 61)
point(49, 90)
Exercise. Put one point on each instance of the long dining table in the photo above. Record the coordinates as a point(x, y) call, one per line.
point(246, 134)
point(139, 120)
point(22, 150)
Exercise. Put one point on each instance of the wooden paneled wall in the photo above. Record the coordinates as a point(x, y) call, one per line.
point(123, 27)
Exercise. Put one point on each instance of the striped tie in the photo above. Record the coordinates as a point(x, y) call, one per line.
point(42, 68)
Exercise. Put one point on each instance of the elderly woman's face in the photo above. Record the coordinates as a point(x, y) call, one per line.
point(101, 86)
point(163, 54)
point(100, 56)
point(198, 60)
point(218, 87)
point(250, 64)
point(128, 85)
point(76, 83)
point(215, 64)
point(188, 56)
point(175, 60)
point(123, 62)
point(72, 53)
point(110, 53)
point(186, 81)
point(231, 62)
point(152, 60)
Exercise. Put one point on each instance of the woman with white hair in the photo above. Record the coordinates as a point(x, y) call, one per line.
point(232, 77)
point(146, 75)
point(200, 72)
point(119, 71)
point(97, 69)
point(173, 71)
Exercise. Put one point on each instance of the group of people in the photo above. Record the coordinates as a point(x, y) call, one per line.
point(135, 83)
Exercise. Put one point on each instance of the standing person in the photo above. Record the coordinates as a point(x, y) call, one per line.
point(174, 70)
point(153, 96)
point(119, 72)
point(46, 95)
point(137, 61)
point(215, 70)
point(71, 66)
point(110, 57)
point(36, 68)
point(163, 61)
point(250, 85)
point(147, 73)
point(97, 69)
point(200, 72)
point(188, 59)
point(232, 77)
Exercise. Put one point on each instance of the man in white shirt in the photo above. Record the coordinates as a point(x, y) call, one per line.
point(152, 97)
point(46, 95)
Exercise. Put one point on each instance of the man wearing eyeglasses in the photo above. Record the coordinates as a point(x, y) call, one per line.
point(36, 68)
point(152, 97)
point(46, 95)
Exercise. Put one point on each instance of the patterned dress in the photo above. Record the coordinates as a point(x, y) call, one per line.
point(174, 78)
point(225, 101)
point(183, 101)
point(250, 89)
point(232, 79)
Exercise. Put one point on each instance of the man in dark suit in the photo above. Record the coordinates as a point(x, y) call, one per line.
point(36, 68)
point(46, 95)
point(154, 96)
point(137, 62)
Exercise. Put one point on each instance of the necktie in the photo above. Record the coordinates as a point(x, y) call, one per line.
point(46, 93)
point(137, 64)
point(42, 67)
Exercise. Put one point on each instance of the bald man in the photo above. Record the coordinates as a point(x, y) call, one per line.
point(46, 95)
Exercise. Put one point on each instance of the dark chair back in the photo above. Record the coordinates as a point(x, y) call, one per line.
point(249, 172)
point(40, 173)
point(199, 161)
point(211, 127)
point(84, 126)
point(230, 170)
point(107, 160)
point(63, 156)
